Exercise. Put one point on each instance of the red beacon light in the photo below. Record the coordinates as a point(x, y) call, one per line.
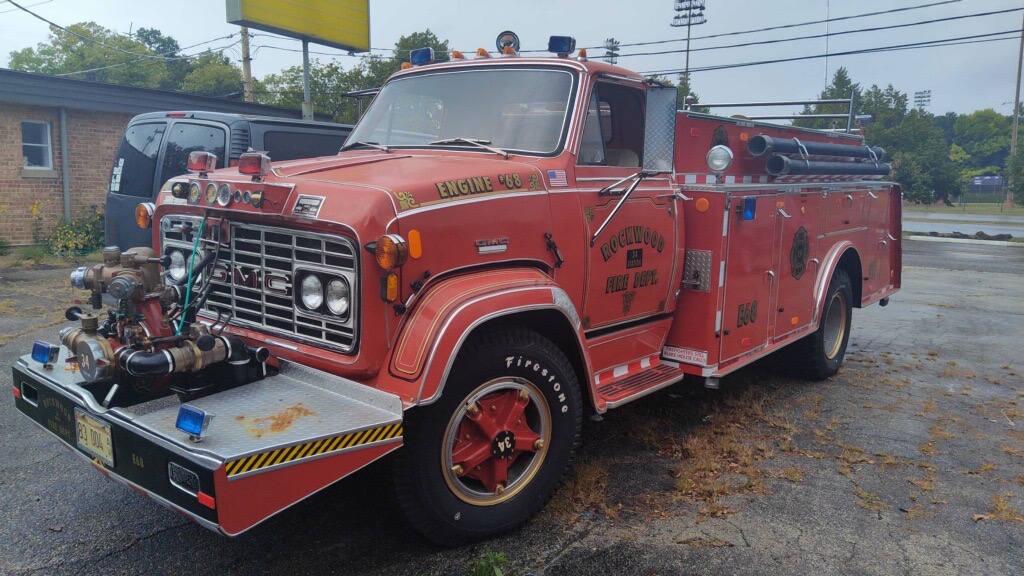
point(255, 164)
point(200, 161)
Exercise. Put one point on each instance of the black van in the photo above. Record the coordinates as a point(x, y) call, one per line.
point(156, 145)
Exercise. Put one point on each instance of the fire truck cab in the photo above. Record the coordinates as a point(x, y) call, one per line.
point(503, 245)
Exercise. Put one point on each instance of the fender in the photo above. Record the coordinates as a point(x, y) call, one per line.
point(828, 267)
point(448, 312)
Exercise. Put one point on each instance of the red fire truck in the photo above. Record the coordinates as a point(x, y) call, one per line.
point(504, 245)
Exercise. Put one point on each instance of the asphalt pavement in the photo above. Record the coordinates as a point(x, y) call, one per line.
point(909, 461)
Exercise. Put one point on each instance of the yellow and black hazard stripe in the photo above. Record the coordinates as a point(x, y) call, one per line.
point(310, 449)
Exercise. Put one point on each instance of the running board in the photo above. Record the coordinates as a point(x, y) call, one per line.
point(636, 386)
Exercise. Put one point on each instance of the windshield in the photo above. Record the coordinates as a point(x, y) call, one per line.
point(512, 109)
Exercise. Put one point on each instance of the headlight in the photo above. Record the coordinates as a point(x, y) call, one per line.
point(338, 297)
point(312, 292)
point(177, 269)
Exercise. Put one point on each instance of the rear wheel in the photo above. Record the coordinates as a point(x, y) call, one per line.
point(819, 355)
point(491, 451)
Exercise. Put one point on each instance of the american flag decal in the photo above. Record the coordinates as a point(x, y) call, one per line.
point(557, 178)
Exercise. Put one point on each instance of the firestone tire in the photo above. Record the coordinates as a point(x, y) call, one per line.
point(821, 354)
point(510, 410)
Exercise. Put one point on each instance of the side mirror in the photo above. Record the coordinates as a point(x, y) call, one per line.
point(660, 128)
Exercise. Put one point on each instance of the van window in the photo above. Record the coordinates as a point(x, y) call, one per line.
point(135, 165)
point(291, 145)
point(186, 138)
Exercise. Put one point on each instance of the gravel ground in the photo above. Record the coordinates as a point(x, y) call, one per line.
point(908, 461)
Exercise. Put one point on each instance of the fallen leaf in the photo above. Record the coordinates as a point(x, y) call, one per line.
point(977, 517)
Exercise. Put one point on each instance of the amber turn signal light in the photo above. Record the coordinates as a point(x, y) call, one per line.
point(144, 214)
point(389, 287)
point(391, 251)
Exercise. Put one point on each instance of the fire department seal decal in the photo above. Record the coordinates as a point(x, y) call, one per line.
point(798, 253)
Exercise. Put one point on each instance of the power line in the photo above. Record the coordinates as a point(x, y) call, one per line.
point(786, 26)
point(92, 40)
point(184, 57)
point(896, 47)
point(29, 6)
point(830, 34)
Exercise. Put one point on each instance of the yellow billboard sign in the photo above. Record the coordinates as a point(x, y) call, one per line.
point(342, 24)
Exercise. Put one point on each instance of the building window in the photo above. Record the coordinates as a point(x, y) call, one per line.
point(35, 145)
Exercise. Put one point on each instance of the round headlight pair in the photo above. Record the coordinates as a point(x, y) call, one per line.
point(337, 295)
point(177, 270)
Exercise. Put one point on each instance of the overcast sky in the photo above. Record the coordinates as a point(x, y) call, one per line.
point(962, 78)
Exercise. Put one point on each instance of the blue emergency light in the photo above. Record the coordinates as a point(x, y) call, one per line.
point(562, 44)
point(749, 207)
point(192, 421)
point(421, 56)
point(44, 352)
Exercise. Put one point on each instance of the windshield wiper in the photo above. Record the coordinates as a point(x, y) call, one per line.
point(351, 145)
point(475, 142)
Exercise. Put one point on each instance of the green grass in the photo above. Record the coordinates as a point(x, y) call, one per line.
point(981, 209)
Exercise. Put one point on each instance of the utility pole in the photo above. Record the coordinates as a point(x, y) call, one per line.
point(246, 66)
point(690, 13)
point(1016, 116)
point(828, 16)
point(307, 102)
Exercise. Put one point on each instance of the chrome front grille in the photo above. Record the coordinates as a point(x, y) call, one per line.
point(254, 280)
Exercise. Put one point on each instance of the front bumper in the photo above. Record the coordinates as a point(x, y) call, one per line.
point(271, 443)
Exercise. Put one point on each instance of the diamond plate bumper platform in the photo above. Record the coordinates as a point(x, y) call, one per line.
point(269, 445)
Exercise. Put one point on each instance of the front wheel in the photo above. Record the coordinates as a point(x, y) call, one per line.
point(819, 355)
point(492, 450)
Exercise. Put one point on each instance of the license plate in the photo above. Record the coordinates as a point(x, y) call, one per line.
point(94, 437)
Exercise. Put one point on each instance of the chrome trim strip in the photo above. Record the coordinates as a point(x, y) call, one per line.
point(462, 338)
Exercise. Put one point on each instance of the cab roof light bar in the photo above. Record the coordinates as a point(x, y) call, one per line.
point(562, 45)
point(421, 56)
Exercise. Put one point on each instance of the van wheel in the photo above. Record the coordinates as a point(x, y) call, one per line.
point(819, 355)
point(492, 450)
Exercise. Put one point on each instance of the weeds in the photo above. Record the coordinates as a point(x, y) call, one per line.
point(489, 564)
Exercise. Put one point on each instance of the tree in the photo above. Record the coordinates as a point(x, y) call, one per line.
point(213, 74)
point(329, 82)
point(840, 88)
point(148, 59)
point(682, 91)
point(168, 47)
point(133, 63)
point(985, 137)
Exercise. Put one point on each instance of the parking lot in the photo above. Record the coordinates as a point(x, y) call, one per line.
point(909, 461)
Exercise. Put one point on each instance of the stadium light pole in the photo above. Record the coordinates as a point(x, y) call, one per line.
point(689, 13)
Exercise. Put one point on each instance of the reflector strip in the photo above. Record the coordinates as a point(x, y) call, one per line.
point(310, 449)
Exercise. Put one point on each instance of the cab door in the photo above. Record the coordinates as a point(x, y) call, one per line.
point(630, 245)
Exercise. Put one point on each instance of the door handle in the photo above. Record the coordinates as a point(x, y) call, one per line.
point(872, 194)
point(770, 275)
point(890, 237)
point(783, 213)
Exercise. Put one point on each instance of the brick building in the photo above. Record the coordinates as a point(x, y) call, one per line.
point(58, 137)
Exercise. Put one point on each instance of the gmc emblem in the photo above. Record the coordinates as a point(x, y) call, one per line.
point(272, 282)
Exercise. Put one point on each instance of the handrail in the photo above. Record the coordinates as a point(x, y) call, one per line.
point(690, 103)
